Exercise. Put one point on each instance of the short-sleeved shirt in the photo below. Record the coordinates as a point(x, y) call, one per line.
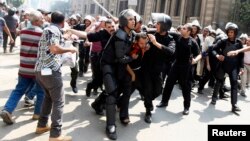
point(51, 35)
point(30, 38)
point(11, 22)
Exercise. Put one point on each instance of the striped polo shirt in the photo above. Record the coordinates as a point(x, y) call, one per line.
point(30, 38)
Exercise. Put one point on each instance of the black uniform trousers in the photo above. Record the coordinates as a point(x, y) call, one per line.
point(208, 75)
point(137, 84)
point(5, 40)
point(220, 78)
point(97, 79)
point(74, 75)
point(182, 73)
point(152, 87)
point(74, 70)
point(83, 58)
point(114, 84)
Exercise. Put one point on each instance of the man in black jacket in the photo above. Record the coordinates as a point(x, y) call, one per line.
point(162, 48)
point(230, 65)
point(114, 61)
point(187, 53)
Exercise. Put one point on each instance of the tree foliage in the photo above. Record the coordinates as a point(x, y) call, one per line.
point(241, 12)
point(244, 13)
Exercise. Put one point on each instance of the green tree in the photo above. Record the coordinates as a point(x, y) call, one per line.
point(244, 13)
point(240, 14)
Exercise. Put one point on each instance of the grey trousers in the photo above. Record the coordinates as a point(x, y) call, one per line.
point(53, 101)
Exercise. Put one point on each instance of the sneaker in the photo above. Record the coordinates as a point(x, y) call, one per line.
point(111, 132)
point(35, 117)
point(61, 138)
point(28, 102)
point(7, 117)
point(40, 130)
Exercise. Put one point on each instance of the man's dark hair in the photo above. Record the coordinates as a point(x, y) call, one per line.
point(189, 27)
point(140, 35)
point(57, 17)
point(109, 21)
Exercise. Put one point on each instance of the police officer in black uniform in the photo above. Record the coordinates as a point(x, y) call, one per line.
point(230, 65)
point(102, 36)
point(83, 50)
point(187, 53)
point(162, 47)
point(114, 61)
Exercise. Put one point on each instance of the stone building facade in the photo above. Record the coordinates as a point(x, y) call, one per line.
point(208, 12)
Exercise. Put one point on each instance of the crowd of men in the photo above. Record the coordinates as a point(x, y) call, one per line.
point(125, 55)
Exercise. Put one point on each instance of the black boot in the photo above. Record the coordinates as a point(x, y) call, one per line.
point(111, 132)
point(88, 89)
point(186, 111)
point(213, 100)
point(98, 108)
point(235, 108)
point(162, 104)
point(222, 94)
point(147, 117)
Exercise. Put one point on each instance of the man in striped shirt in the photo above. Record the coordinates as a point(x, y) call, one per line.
point(28, 55)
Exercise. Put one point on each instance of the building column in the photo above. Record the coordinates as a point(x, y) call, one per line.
point(149, 5)
point(203, 12)
point(215, 14)
point(183, 12)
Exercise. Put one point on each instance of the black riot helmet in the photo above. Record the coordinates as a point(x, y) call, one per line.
point(164, 20)
point(123, 21)
point(231, 26)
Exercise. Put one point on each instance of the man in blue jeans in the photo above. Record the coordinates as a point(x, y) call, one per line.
point(28, 55)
